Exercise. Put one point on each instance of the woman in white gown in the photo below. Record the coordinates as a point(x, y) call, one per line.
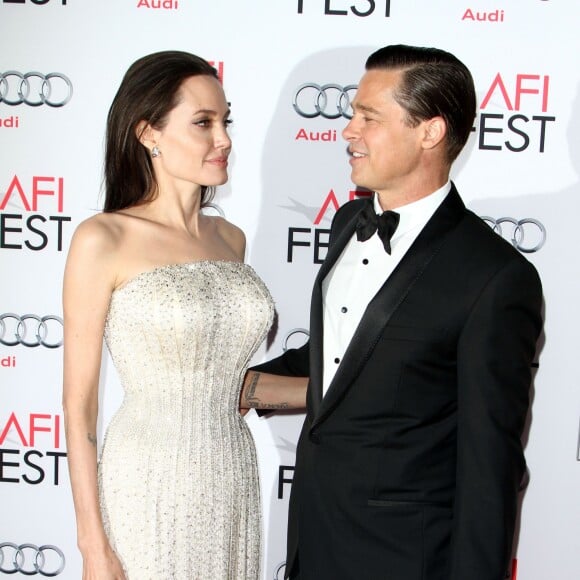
point(175, 493)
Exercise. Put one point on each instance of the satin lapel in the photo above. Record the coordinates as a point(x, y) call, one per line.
point(316, 314)
point(388, 298)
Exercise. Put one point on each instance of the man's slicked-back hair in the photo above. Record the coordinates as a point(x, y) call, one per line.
point(434, 83)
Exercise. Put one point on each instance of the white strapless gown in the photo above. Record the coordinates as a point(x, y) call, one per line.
point(178, 475)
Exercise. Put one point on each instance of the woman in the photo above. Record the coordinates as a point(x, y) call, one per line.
point(175, 494)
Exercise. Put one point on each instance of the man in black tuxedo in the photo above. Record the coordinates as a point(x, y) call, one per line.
point(420, 352)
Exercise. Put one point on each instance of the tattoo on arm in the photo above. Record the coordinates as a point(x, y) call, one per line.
point(254, 402)
point(250, 393)
point(92, 439)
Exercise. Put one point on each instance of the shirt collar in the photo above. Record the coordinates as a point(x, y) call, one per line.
point(416, 213)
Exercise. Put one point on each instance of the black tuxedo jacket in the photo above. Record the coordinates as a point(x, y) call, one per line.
point(409, 467)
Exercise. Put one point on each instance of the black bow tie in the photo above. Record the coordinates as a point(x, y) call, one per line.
point(369, 222)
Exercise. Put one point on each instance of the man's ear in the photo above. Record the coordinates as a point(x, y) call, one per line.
point(435, 132)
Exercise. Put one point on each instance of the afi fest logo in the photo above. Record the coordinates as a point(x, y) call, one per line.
point(313, 241)
point(22, 226)
point(21, 436)
point(523, 123)
point(360, 8)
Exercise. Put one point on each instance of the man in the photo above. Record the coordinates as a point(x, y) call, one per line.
point(420, 352)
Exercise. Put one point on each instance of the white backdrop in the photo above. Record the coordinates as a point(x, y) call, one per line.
point(289, 172)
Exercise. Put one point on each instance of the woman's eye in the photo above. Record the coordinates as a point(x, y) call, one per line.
point(203, 123)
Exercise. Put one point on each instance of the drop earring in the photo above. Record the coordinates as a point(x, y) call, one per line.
point(155, 151)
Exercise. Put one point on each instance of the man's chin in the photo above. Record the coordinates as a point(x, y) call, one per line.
point(359, 181)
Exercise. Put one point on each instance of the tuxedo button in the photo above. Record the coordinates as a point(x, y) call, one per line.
point(336, 360)
point(344, 309)
point(365, 261)
point(314, 438)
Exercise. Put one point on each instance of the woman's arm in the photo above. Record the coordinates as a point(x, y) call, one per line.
point(267, 391)
point(88, 283)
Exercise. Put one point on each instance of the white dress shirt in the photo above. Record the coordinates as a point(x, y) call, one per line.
point(359, 273)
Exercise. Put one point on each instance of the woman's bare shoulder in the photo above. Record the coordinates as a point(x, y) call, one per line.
point(102, 232)
point(232, 234)
point(108, 228)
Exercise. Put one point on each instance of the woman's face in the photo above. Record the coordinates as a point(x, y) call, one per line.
point(194, 142)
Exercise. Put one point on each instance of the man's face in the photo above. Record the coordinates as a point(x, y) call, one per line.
point(385, 152)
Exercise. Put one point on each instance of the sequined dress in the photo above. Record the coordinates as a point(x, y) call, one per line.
point(178, 478)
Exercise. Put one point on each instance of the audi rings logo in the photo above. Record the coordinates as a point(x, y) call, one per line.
point(31, 330)
point(527, 235)
point(289, 335)
point(35, 89)
point(279, 571)
point(329, 101)
point(29, 559)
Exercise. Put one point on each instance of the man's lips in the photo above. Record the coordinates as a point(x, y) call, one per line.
point(355, 156)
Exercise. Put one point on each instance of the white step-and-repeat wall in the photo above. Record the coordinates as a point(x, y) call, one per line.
point(289, 68)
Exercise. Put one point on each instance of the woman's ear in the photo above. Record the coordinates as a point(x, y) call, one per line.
point(145, 134)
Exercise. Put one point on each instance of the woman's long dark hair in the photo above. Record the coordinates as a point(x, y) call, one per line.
point(148, 92)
